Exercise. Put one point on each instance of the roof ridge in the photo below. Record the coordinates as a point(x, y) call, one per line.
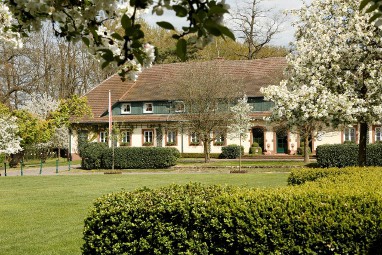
point(135, 82)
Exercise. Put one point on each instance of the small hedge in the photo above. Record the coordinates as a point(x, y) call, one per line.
point(301, 176)
point(198, 155)
point(336, 215)
point(342, 155)
point(98, 155)
point(231, 151)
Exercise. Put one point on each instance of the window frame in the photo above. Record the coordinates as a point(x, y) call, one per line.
point(179, 103)
point(348, 134)
point(194, 139)
point(145, 108)
point(378, 134)
point(103, 137)
point(217, 138)
point(174, 140)
point(145, 142)
point(123, 111)
point(123, 136)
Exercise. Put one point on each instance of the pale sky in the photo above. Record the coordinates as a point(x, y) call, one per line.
point(282, 39)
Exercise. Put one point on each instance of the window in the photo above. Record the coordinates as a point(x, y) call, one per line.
point(103, 137)
point(125, 108)
point(349, 134)
point(194, 139)
point(148, 108)
point(219, 138)
point(171, 138)
point(378, 134)
point(179, 106)
point(125, 138)
point(148, 137)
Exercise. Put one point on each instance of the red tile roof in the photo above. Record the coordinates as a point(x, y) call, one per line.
point(154, 84)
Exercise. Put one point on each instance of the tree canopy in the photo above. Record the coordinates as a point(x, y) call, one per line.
point(86, 21)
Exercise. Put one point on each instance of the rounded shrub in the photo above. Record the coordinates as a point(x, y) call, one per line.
point(231, 151)
point(334, 215)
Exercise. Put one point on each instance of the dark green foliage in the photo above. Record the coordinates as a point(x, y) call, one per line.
point(140, 157)
point(255, 150)
point(301, 176)
point(231, 151)
point(336, 215)
point(342, 155)
point(99, 155)
point(300, 150)
point(91, 155)
point(198, 155)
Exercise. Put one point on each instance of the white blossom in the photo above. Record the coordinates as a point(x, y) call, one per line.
point(241, 121)
point(9, 140)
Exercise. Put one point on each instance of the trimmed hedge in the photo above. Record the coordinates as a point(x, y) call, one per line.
point(301, 176)
point(198, 155)
point(335, 215)
point(231, 151)
point(342, 155)
point(98, 155)
point(91, 155)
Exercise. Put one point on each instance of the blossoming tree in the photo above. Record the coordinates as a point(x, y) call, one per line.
point(86, 21)
point(9, 140)
point(241, 122)
point(339, 53)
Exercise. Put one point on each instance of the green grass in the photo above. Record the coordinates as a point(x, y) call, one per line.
point(44, 214)
point(200, 162)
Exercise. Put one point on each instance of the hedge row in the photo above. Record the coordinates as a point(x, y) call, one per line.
point(231, 151)
point(198, 155)
point(342, 215)
point(303, 175)
point(98, 155)
point(342, 155)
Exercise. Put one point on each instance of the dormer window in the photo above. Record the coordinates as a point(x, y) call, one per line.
point(125, 108)
point(148, 108)
point(179, 106)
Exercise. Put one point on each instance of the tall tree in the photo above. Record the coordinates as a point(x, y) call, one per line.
point(338, 50)
point(207, 95)
point(255, 25)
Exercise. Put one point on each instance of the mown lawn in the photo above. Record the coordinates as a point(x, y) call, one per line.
point(44, 214)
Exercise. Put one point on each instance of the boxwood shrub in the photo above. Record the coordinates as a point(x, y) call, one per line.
point(99, 155)
point(231, 151)
point(335, 215)
point(342, 155)
point(91, 155)
point(140, 157)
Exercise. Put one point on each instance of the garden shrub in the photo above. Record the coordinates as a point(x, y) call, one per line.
point(231, 151)
point(342, 155)
point(335, 215)
point(91, 155)
point(140, 157)
point(99, 155)
point(300, 150)
point(255, 149)
point(301, 176)
point(198, 155)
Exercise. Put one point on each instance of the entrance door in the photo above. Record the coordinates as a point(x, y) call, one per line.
point(258, 137)
point(282, 143)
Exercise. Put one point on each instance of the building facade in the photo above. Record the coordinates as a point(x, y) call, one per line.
point(143, 111)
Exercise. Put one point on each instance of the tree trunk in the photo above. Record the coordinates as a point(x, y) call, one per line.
point(206, 151)
point(306, 148)
point(362, 144)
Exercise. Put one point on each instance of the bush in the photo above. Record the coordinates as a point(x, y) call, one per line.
point(198, 155)
point(301, 176)
point(300, 150)
point(342, 155)
point(140, 157)
point(231, 151)
point(329, 216)
point(99, 155)
point(91, 155)
point(255, 150)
